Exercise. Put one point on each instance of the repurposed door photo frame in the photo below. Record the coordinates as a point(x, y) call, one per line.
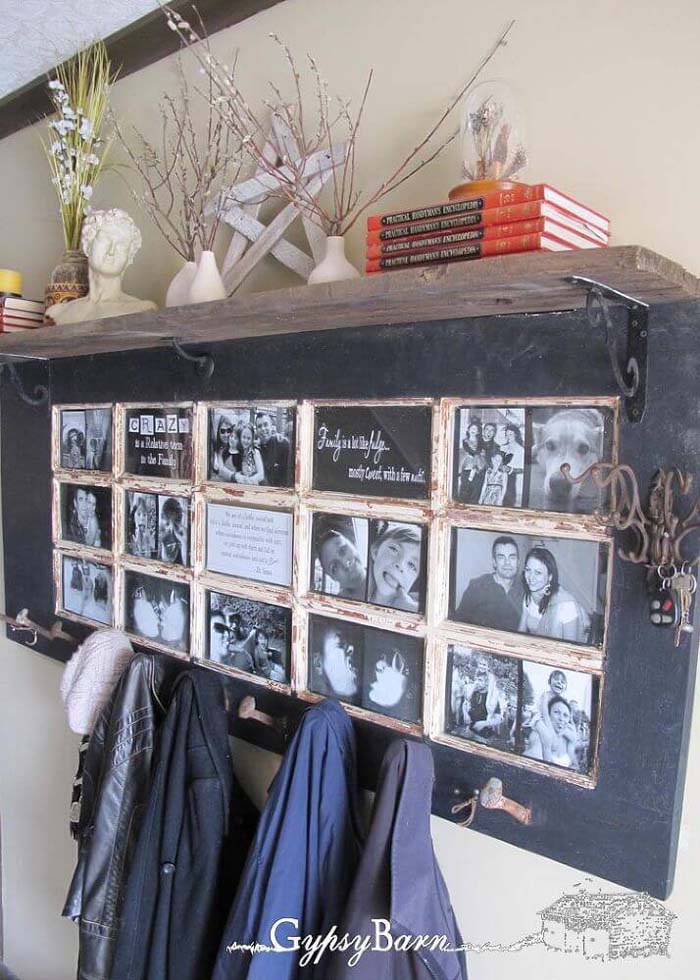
point(422, 560)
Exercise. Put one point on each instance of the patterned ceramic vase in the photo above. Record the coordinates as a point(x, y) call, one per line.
point(69, 280)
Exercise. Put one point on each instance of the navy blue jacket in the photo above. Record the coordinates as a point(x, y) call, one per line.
point(305, 853)
point(399, 879)
point(193, 843)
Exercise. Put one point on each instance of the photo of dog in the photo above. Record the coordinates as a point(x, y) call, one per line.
point(576, 437)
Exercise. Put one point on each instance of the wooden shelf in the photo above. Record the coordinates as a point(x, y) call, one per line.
point(528, 283)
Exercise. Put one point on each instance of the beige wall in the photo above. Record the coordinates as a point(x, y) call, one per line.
point(608, 90)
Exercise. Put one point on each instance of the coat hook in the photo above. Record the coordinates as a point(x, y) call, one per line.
point(22, 623)
point(41, 393)
point(204, 362)
point(491, 798)
point(248, 711)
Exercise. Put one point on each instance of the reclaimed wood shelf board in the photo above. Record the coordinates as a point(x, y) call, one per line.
point(528, 283)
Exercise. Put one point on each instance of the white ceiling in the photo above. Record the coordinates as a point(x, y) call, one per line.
point(35, 35)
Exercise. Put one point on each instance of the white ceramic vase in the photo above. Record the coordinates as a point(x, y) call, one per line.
point(207, 284)
point(333, 267)
point(178, 293)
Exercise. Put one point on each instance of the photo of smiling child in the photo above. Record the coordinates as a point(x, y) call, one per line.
point(397, 564)
point(339, 556)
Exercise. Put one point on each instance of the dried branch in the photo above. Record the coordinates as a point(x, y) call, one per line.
point(182, 179)
point(291, 173)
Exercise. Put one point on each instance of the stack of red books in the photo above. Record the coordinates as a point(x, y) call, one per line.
point(528, 218)
point(20, 314)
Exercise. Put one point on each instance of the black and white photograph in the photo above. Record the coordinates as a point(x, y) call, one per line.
point(173, 530)
point(396, 574)
point(159, 442)
point(558, 716)
point(86, 515)
point(552, 587)
point(87, 590)
point(489, 456)
point(339, 555)
point(335, 659)
point(375, 669)
point(513, 457)
point(142, 524)
point(251, 636)
point(253, 446)
point(373, 451)
point(250, 542)
point(482, 697)
point(157, 609)
point(573, 437)
point(376, 561)
point(86, 439)
point(392, 674)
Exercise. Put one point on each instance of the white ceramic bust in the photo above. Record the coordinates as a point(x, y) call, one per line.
point(110, 239)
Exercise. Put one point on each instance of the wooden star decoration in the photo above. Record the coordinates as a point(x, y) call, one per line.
point(252, 240)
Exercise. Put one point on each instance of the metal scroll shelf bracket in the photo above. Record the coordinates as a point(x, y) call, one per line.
point(205, 362)
point(631, 375)
point(40, 394)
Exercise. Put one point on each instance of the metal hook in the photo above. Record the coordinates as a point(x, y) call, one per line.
point(471, 805)
point(41, 393)
point(22, 623)
point(204, 362)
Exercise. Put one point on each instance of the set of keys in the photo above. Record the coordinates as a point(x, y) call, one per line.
point(671, 597)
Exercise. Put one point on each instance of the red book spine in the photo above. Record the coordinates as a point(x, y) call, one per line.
point(421, 243)
point(478, 250)
point(492, 216)
point(520, 194)
point(495, 199)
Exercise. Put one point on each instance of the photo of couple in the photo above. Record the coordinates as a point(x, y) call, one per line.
point(521, 707)
point(553, 587)
point(370, 668)
point(250, 636)
point(157, 527)
point(376, 561)
point(158, 609)
point(86, 439)
point(513, 456)
point(86, 515)
point(87, 590)
point(252, 446)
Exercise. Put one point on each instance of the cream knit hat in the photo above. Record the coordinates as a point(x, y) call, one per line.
point(91, 675)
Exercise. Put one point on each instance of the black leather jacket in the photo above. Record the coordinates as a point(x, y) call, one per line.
point(116, 779)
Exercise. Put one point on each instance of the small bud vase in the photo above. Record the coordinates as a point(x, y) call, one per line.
point(333, 267)
point(178, 293)
point(207, 284)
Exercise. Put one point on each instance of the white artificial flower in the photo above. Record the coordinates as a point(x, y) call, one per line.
point(56, 85)
point(86, 129)
point(92, 159)
point(86, 191)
